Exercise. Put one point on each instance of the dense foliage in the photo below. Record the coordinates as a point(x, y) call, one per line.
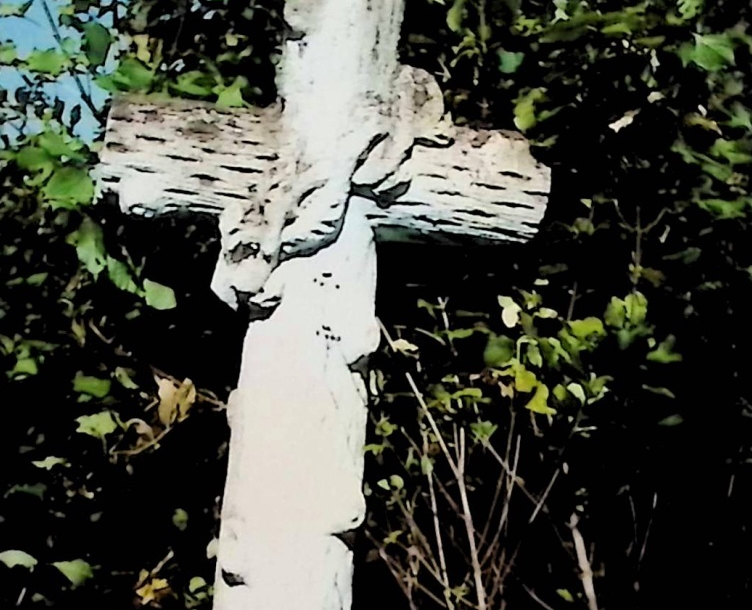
point(563, 424)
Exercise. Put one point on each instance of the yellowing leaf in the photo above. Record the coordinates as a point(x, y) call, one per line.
point(539, 402)
point(98, 425)
point(404, 347)
point(510, 312)
point(174, 400)
point(589, 326)
point(180, 519)
point(524, 380)
point(153, 590)
point(49, 462)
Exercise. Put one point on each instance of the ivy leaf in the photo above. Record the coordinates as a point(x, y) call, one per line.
point(77, 571)
point(15, 558)
point(69, 187)
point(97, 42)
point(93, 386)
point(49, 62)
point(159, 296)
point(89, 244)
point(483, 430)
point(499, 351)
point(711, 52)
point(98, 425)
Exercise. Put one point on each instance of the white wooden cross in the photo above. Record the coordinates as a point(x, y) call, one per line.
point(358, 147)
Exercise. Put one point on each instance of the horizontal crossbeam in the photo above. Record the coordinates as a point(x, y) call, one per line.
point(479, 186)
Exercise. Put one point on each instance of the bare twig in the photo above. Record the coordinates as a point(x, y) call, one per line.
point(586, 570)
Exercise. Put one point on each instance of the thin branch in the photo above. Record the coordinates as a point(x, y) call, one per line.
point(79, 85)
point(469, 527)
point(437, 532)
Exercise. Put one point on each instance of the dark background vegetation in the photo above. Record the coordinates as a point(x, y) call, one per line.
point(657, 469)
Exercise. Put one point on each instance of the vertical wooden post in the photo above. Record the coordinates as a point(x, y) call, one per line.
point(298, 423)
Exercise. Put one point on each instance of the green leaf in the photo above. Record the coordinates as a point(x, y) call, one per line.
point(509, 62)
point(180, 519)
point(195, 83)
point(98, 425)
point(35, 159)
point(483, 430)
point(15, 10)
point(660, 391)
point(130, 75)
point(8, 54)
point(121, 276)
point(711, 52)
point(159, 296)
point(524, 380)
point(510, 311)
point(97, 42)
point(124, 378)
point(664, 353)
point(576, 390)
point(24, 367)
point(456, 15)
point(539, 402)
point(725, 209)
point(671, 420)
point(15, 558)
point(77, 571)
point(534, 356)
point(582, 329)
point(49, 62)
point(689, 9)
point(37, 490)
point(525, 115)
point(93, 386)
point(89, 243)
point(232, 96)
point(50, 462)
point(636, 307)
point(565, 595)
point(55, 145)
point(69, 187)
